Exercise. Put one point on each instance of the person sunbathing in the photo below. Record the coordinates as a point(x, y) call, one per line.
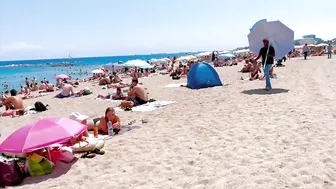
point(136, 97)
point(22, 90)
point(234, 62)
point(12, 102)
point(117, 96)
point(170, 69)
point(116, 78)
point(34, 87)
point(13, 113)
point(67, 90)
point(254, 71)
point(246, 67)
point(101, 122)
point(50, 87)
point(43, 86)
point(104, 81)
point(184, 71)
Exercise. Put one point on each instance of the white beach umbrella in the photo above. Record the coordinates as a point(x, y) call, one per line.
point(138, 63)
point(160, 61)
point(279, 35)
point(204, 54)
point(97, 71)
point(113, 66)
point(321, 45)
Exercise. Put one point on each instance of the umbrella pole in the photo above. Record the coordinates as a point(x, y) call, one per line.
point(48, 149)
point(266, 56)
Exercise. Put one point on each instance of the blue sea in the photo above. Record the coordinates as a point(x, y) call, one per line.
point(15, 72)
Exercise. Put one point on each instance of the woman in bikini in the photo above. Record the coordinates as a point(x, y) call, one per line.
point(101, 123)
point(254, 70)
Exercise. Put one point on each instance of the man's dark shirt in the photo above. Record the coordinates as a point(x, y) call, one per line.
point(263, 52)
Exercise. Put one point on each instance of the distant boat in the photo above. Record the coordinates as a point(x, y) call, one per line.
point(70, 57)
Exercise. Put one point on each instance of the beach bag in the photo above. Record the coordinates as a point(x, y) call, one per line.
point(40, 107)
point(10, 174)
point(126, 104)
point(86, 92)
point(37, 165)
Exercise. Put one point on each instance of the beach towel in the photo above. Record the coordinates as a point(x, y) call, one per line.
point(174, 85)
point(150, 106)
point(30, 110)
point(123, 130)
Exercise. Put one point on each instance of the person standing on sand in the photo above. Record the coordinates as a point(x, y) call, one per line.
point(267, 53)
point(27, 82)
point(329, 50)
point(305, 51)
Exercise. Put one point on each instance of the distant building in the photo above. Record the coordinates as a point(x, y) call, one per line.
point(308, 39)
point(311, 36)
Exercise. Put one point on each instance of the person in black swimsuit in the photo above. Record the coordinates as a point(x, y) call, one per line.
point(137, 96)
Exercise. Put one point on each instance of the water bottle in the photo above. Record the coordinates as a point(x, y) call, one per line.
point(109, 128)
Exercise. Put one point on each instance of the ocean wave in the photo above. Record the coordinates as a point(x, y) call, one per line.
point(50, 64)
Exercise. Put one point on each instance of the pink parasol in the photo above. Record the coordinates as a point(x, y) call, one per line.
point(63, 76)
point(41, 134)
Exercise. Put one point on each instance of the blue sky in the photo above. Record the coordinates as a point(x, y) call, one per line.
point(49, 29)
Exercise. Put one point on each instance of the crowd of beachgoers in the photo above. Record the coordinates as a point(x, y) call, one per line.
point(125, 88)
point(176, 68)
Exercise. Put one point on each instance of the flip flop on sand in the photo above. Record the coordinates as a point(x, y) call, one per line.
point(144, 121)
point(128, 109)
point(132, 122)
point(99, 152)
point(88, 155)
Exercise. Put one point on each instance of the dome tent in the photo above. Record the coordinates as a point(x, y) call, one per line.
point(203, 75)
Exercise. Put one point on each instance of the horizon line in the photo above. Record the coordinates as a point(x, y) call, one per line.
point(100, 56)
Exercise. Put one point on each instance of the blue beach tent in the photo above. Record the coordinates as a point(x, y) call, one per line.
point(203, 75)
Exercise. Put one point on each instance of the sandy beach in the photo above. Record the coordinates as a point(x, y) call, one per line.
point(237, 136)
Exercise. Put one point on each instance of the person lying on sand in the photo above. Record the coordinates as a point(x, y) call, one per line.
point(101, 122)
point(118, 85)
point(137, 96)
point(118, 95)
point(116, 78)
point(104, 81)
point(13, 113)
point(12, 102)
point(67, 90)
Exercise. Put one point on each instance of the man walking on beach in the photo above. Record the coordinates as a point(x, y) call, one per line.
point(329, 49)
point(267, 53)
point(305, 50)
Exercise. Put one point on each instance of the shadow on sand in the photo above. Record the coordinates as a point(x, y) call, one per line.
point(264, 92)
point(60, 169)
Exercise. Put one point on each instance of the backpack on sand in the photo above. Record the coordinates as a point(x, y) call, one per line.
point(40, 107)
point(10, 173)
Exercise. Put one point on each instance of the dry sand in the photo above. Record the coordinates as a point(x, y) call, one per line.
point(237, 136)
